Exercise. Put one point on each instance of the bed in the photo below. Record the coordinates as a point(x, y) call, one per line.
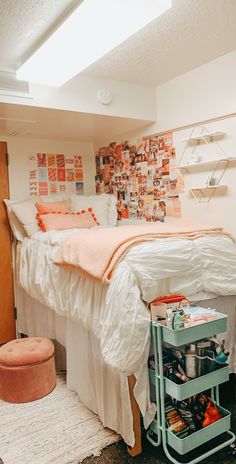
point(105, 329)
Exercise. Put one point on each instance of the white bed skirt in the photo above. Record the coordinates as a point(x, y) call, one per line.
point(100, 387)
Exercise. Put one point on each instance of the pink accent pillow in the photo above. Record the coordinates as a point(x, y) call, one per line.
point(62, 221)
point(52, 207)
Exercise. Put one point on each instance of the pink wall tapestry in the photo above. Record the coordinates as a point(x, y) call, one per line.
point(144, 178)
point(51, 173)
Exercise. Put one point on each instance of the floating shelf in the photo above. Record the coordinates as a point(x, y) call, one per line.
point(217, 161)
point(209, 187)
point(206, 135)
point(204, 193)
point(207, 163)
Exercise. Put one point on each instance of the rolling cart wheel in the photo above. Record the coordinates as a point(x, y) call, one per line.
point(232, 449)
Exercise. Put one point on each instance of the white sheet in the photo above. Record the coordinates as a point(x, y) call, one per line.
point(117, 314)
point(100, 387)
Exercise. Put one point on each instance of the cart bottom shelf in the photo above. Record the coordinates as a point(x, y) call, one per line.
point(196, 439)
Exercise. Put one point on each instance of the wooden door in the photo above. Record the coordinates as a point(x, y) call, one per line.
point(7, 322)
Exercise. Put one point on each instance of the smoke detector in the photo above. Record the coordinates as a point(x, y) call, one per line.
point(104, 96)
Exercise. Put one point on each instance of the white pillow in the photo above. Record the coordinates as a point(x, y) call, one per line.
point(104, 207)
point(128, 222)
point(49, 198)
point(16, 226)
point(25, 212)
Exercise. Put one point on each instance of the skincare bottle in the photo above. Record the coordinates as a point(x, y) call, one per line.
point(222, 356)
point(177, 321)
point(169, 317)
point(191, 362)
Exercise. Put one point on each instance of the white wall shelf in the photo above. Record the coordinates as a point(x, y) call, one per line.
point(206, 187)
point(194, 156)
point(204, 193)
point(204, 136)
point(207, 163)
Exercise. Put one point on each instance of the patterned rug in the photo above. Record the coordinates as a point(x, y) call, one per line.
point(56, 429)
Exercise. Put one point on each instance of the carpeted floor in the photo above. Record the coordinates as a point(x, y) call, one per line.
point(56, 429)
point(66, 448)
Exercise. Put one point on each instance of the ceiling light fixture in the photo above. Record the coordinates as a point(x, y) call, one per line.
point(91, 31)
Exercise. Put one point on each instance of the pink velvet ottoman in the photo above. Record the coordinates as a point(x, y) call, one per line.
point(27, 369)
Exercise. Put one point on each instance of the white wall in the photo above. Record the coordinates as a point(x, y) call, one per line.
point(19, 150)
point(206, 92)
point(129, 100)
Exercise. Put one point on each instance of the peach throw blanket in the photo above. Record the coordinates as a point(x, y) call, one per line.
point(96, 252)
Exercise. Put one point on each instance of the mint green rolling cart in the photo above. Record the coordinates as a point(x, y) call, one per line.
point(162, 385)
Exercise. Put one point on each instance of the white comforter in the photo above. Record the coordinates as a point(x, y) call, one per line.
point(117, 314)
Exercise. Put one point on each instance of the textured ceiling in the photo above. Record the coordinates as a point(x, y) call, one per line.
point(190, 34)
point(22, 25)
point(20, 121)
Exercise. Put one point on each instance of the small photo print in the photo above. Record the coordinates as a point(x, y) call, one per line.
point(61, 175)
point(60, 161)
point(61, 187)
point(52, 174)
point(165, 167)
point(33, 188)
point(70, 175)
point(78, 161)
point(43, 188)
point(79, 188)
point(79, 175)
point(52, 187)
point(42, 174)
point(32, 174)
point(70, 188)
point(41, 160)
point(69, 162)
point(51, 160)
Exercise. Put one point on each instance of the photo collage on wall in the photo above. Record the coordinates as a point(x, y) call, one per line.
point(144, 178)
point(51, 173)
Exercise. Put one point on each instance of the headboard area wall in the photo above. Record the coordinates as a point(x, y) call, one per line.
point(49, 166)
point(143, 177)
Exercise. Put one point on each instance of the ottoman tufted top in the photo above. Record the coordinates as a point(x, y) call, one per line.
point(25, 351)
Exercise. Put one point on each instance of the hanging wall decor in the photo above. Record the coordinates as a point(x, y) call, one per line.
point(144, 178)
point(51, 173)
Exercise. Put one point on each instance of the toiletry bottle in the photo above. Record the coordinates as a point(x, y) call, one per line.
point(177, 322)
point(169, 317)
point(191, 362)
point(222, 356)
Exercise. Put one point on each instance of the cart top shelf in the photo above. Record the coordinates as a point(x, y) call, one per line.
point(214, 323)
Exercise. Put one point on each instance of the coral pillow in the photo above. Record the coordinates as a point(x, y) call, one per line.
point(62, 221)
point(52, 207)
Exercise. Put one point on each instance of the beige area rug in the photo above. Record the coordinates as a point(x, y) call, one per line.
point(56, 429)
